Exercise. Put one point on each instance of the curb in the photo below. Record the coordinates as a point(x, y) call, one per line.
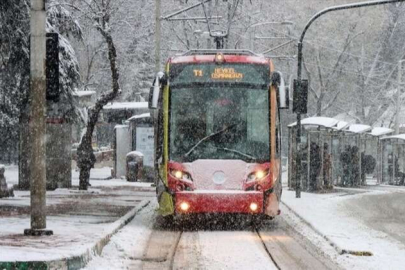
point(339, 250)
point(78, 261)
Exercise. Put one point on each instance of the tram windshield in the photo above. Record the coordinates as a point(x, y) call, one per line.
point(219, 122)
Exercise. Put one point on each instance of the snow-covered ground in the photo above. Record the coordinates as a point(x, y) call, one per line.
point(367, 219)
point(98, 177)
point(341, 220)
point(73, 235)
point(129, 243)
point(348, 220)
point(78, 219)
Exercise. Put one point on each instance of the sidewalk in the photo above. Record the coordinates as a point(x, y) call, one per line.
point(82, 222)
point(356, 223)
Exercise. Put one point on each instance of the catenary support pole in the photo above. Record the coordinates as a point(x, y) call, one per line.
point(299, 70)
point(37, 128)
point(398, 96)
point(158, 35)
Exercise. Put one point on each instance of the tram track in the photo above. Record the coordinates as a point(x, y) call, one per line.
point(196, 249)
point(161, 250)
point(267, 250)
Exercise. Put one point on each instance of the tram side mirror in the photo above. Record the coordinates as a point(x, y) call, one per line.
point(300, 96)
point(155, 91)
point(282, 90)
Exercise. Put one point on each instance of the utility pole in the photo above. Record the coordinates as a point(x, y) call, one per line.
point(158, 35)
point(210, 16)
point(226, 41)
point(37, 128)
point(398, 96)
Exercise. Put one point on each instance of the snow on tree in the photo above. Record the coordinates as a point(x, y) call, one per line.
point(14, 65)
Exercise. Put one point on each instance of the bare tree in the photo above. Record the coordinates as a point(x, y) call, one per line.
point(374, 81)
point(324, 89)
point(100, 12)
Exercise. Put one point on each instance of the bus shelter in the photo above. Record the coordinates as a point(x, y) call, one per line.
point(316, 153)
point(356, 155)
point(337, 147)
point(372, 160)
point(352, 141)
point(393, 159)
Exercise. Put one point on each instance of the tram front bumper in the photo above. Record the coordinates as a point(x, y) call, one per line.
point(219, 201)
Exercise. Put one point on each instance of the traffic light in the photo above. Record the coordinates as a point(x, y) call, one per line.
point(300, 96)
point(52, 67)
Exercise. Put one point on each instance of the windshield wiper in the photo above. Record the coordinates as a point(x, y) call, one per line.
point(238, 152)
point(208, 137)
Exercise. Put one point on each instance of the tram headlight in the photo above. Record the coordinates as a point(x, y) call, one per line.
point(254, 207)
point(258, 175)
point(178, 174)
point(184, 206)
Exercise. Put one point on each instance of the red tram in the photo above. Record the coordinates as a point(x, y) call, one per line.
point(217, 133)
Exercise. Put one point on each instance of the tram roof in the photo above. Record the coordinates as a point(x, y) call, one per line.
point(230, 56)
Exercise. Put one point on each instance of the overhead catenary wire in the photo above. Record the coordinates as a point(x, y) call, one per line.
point(347, 71)
point(311, 42)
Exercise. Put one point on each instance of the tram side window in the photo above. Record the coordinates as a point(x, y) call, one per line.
point(278, 134)
point(257, 118)
point(159, 141)
point(257, 124)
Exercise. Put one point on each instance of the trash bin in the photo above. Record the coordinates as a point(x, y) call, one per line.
point(5, 190)
point(134, 165)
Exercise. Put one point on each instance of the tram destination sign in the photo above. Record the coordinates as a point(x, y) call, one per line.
point(212, 73)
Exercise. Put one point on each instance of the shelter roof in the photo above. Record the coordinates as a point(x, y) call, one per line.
point(83, 93)
point(120, 126)
point(341, 125)
point(380, 131)
point(359, 128)
point(317, 121)
point(144, 115)
point(126, 105)
point(400, 137)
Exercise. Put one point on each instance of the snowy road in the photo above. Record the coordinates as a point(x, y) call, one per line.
point(222, 245)
point(384, 212)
